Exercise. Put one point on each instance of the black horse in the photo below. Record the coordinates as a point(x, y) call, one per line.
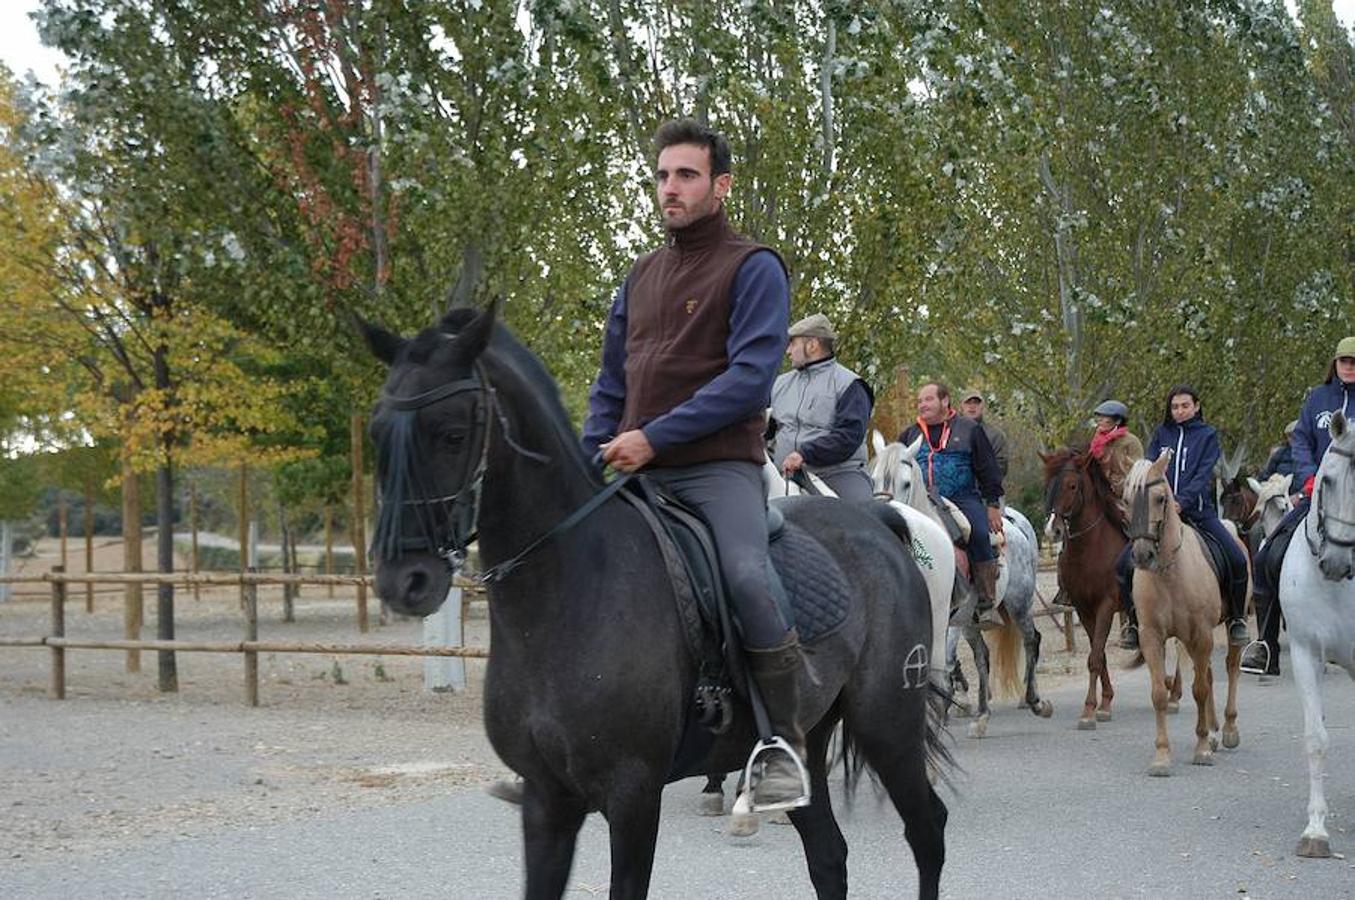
point(589, 679)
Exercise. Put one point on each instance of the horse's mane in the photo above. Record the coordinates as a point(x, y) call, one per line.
point(1137, 477)
point(1102, 493)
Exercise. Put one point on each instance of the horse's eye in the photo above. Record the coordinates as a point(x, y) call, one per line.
point(453, 438)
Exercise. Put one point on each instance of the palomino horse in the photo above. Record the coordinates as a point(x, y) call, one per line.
point(1318, 596)
point(1080, 498)
point(897, 474)
point(590, 679)
point(1176, 594)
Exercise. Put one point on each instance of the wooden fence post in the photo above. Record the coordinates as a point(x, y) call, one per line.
point(133, 613)
point(195, 562)
point(58, 688)
point(242, 526)
point(359, 527)
point(1068, 639)
point(329, 545)
point(251, 592)
point(63, 524)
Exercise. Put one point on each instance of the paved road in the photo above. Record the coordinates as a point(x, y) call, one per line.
point(1042, 811)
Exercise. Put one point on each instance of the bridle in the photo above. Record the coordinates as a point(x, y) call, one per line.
point(460, 509)
point(1320, 497)
point(1138, 523)
point(1067, 518)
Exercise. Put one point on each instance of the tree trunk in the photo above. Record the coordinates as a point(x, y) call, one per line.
point(89, 541)
point(358, 529)
point(132, 611)
point(63, 515)
point(329, 544)
point(196, 560)
point(288, 615)
point(164, 523)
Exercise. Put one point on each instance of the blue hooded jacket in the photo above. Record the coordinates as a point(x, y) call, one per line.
point(1195, 450)
point(1313, 436)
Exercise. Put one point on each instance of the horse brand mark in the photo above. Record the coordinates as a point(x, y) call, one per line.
point(1324, 419)
point(922, 556)
point(915, 668)
point(691, 307)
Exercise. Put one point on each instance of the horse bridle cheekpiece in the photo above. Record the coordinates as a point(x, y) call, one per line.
point(1320, 497)
point(1138, 515)
point(404, 488)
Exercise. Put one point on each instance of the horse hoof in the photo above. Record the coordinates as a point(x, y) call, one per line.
point(1024, 704)
point(1044, 710)
point(1160, 770)
point(1203, 759)
point(1103, 715)
point(962, 712)
point(1086, 724)
point(1231, 738)
point(1213, 743)
point(780, 817)
point(1314, 848)
point(978, 728)
point(1173, 707)
point(743, 824)
point(711, 805)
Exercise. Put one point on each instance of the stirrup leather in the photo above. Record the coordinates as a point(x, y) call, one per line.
point(744, 805)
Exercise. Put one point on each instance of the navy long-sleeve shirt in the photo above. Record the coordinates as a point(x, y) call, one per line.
point(758, 320)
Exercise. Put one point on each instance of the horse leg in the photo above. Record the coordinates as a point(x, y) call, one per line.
point(1087, 721)
point(1153, 647)
point(979, 727)
point(550, 827)
point(1203, 691)
point(1306, 661)
point(824, 846)
point(1174, 687)
point(632, 813)
point(1233, 665)
point(959, 696)
point(1031, 638)
point(1103, 625)
point(712, 802)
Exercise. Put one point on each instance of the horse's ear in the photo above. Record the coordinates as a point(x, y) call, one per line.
point(1288, 482)
point(915, 446)
point(1339, 426)
point(474, 336)
point(877, 441)
point(1045, 458)
point(1254, 485)
point(385, 345)
point(1160, 464)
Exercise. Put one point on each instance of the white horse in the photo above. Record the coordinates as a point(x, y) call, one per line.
point(1272, 501)
point(1317, 594)
point(897, 474)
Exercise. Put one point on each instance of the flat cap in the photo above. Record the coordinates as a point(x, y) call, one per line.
point(971, 394)
point(1346, 347)
point(815, 326)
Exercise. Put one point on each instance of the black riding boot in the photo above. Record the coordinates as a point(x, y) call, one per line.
point(1237, 612)
point(1124, 577)
point(777, 673)
point(1262, 656)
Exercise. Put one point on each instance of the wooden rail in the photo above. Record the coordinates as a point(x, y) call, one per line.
point(57, 642)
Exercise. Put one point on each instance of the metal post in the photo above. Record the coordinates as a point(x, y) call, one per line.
point(5, 542)
point(251, 635)
point(443, 629)
point(58, 688)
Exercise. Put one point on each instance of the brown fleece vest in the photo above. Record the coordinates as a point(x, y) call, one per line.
point(678, 302)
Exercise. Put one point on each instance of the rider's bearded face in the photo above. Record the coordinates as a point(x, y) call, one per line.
point(684, 185)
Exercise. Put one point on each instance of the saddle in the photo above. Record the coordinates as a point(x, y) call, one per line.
point(958, 527)
point(810, 587)
point(1218, 559)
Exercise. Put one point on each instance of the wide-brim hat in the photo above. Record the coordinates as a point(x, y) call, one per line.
point(815, 326)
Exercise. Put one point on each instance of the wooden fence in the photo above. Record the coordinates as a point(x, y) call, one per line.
point(249, 645)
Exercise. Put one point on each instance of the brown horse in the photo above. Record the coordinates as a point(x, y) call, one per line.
point(1078, 493)
point(1176, 595)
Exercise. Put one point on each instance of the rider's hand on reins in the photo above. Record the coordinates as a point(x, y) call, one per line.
point(628, 451)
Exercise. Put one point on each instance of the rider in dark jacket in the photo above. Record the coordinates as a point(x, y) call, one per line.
point(1310, 440)
point(1281, 459)
point(1195, 450)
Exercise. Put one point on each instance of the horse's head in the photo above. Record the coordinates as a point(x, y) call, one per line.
point(1238, 501)
point(1334, 503)
point(430, 429)
point(1272, 501)
point(1149, 498)
point(896, 473)
point(1064, 490)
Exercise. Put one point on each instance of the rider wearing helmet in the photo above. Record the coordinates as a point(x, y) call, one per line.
point(1195, 450)
point(1310, 441)
point(1116, 448)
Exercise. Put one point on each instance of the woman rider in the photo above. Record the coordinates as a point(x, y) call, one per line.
point(1309, 440)
point(1116, 448)
point(1195, 450)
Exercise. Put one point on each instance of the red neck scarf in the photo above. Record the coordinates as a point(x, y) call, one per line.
point(1102, 438)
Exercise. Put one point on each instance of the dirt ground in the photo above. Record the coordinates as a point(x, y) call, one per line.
point(119, 759)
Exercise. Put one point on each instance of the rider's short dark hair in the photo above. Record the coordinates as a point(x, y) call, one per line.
point(942, 389)
point(1176, 391)
point(690, 131)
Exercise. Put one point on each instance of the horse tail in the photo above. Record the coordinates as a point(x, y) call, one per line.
point(1005, 647)
point(1136, 662)
point(939, 759)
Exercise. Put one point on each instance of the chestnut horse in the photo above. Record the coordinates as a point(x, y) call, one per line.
point(1176, 594)
point(1081, 499)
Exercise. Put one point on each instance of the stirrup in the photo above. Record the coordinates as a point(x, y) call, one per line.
point(1265, 656)
point(744, 805)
